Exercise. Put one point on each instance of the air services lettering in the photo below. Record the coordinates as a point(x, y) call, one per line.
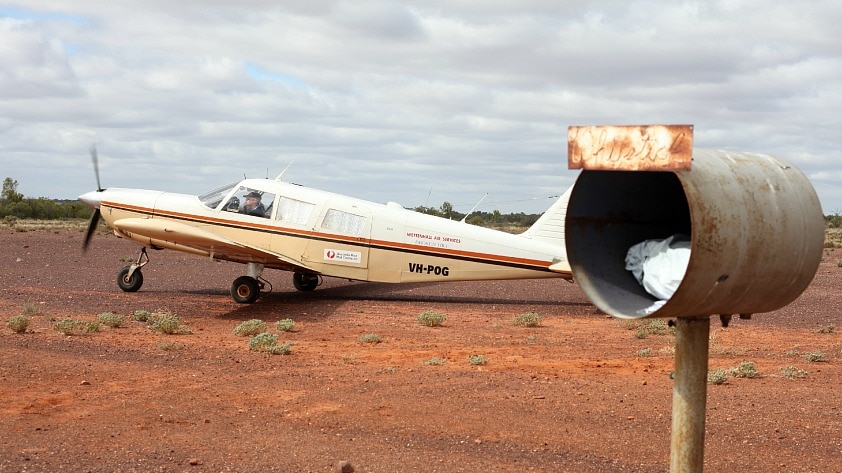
point(429, 269)
point(426, 236)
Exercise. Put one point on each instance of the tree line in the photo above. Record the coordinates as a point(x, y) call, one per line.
point(13, 204)
point(481, 218)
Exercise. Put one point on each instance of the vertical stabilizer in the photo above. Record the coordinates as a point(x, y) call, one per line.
point(549, 228)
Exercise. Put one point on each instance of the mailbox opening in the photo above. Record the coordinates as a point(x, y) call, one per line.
point(610, 211)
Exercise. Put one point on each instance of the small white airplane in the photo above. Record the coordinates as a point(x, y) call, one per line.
point(267, 223)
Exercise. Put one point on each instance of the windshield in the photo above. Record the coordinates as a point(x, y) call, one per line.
point(213, 198)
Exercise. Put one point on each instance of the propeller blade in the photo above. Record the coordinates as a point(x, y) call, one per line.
point(91, 228)
point(95, 160)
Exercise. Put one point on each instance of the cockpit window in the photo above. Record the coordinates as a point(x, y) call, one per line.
point(213, 198)
point(251, 201)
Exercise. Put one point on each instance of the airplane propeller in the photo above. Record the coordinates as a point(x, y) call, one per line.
point(94, 221)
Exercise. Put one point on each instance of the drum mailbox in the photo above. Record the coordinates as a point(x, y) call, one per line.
point(754, 224)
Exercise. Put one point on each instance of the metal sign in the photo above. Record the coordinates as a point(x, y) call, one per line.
point(630, 148)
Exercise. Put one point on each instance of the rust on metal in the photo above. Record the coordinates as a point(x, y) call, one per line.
point(630, 148)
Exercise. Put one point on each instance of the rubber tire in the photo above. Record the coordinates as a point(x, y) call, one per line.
point(304, 281)
point(129, 284)
point(245, 290)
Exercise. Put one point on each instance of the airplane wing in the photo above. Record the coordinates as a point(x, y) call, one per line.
point(175, 235)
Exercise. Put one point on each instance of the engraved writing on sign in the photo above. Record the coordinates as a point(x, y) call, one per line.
point(630, 148)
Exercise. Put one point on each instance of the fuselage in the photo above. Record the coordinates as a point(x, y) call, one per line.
point(312, 231)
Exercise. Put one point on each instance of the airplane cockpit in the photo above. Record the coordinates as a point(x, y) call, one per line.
point(244, 200)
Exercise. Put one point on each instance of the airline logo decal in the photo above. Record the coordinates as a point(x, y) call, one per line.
point(343, 256)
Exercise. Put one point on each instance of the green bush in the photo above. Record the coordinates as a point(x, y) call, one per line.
point(745, 369)
point(370, 338)
point(435, 361)
point(792, 372)
point(717, 376)
point(76, 327)
point(18, 323)
point(250, 327)
point(285, 325)
point(814, 357)
point(268, 342)
point(141, 315)
point(431, 318)
point(827, 328)
point(110, 319)
point(527, 319)
point(166, 322)
point(29, 309)
point(477, 360)
point(262, 341)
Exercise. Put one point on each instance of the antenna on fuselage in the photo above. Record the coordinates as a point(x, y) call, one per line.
point(474, 208)
point(281, 175)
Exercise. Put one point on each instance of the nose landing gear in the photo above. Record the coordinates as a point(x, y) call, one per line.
point(129, 278)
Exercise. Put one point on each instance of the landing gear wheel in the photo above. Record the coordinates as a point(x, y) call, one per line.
point(245, 290)
point(129, 283)
point(305, 282)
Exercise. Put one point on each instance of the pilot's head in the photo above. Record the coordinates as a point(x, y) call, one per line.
point(252, 199)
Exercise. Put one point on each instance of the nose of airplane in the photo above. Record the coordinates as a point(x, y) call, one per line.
point(91, 198)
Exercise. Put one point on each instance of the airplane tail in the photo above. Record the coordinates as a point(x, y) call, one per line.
point(549, 227)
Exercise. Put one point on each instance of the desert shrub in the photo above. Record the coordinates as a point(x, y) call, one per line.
point(170, 346)
point(261, 341)
point(827, 329)
point(18, 323)
point(477, 360)
point(652, 327)
point(76, 327)
point(370, 338)
point(110, 319)
point(30, 309)
point(285, 325)
point(814, 357)
point(141, 315)
point(250, 327)
point(717, 376)
point(268, 342)
point(527, 319)
point(435, 361)
point(166, 322)
point(431, 318)
point(745, 369)
point(792, 372)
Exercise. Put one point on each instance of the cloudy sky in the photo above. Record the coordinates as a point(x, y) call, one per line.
point(418, 102)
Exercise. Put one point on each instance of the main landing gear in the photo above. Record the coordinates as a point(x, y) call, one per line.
point(246, 289)
point(129, 278)
point(305, 281)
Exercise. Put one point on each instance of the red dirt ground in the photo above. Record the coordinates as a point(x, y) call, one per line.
point(574, 394)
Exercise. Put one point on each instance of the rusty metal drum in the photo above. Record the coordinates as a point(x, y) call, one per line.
point(754, 222)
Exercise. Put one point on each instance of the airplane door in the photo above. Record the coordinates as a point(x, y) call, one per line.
point(342, 241)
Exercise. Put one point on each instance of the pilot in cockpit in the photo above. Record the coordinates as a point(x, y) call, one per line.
point(253, 206)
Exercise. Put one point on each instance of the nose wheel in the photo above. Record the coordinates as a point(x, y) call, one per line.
point(129, 278)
